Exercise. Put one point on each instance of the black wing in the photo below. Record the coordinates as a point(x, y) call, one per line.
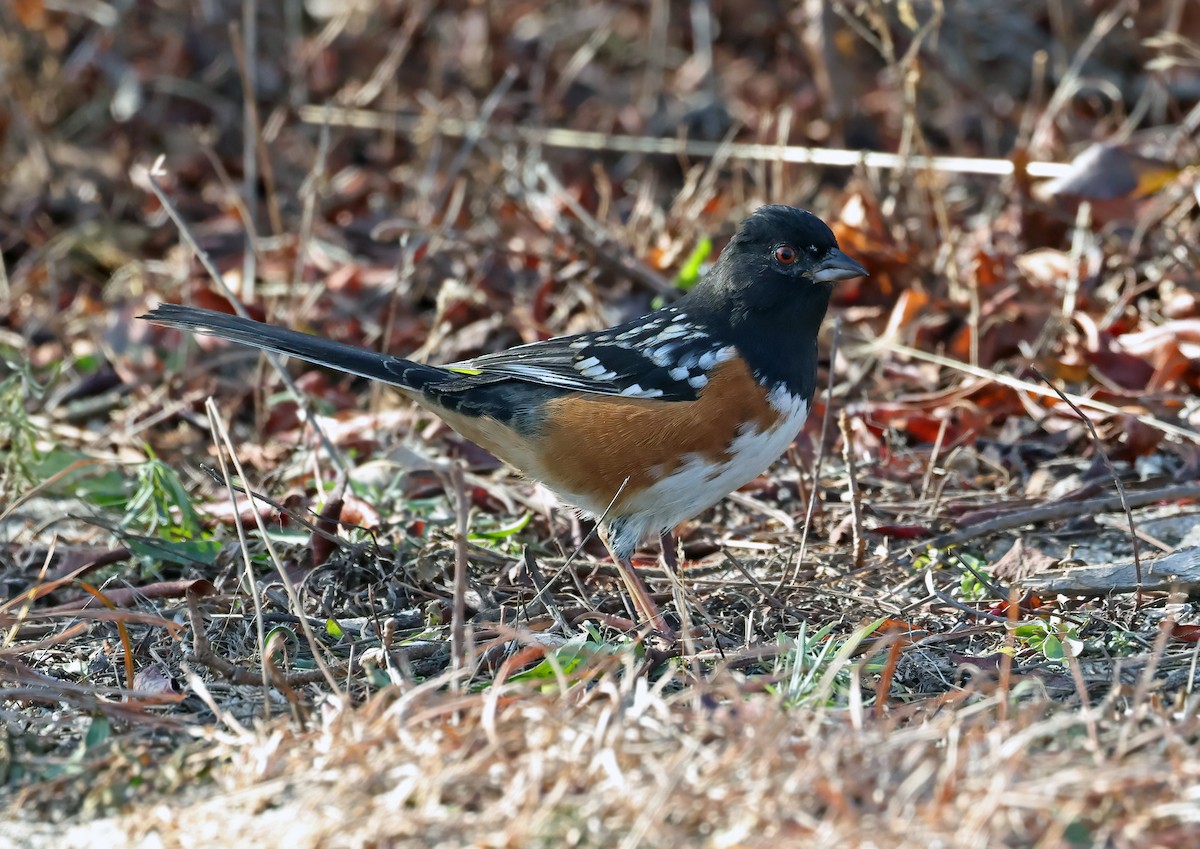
point(661, 355)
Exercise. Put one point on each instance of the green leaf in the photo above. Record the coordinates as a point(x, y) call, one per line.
point(194, 552)
point(689, 273)
point(333, 629)
point(501, 533)
point(567, 658)
point(1052, 648)
point(290, 640)
point(1030, 629)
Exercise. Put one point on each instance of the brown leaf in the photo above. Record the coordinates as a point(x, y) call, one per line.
point(1182, 633)
point(1021, 561)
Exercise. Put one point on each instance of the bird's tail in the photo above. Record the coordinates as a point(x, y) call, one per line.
point(324, 352)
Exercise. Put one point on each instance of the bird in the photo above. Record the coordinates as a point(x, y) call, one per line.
point(643, 425)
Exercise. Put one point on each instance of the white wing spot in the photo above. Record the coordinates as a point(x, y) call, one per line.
point(663, 356)
point(598, 372)
point(590, 362)
point(636, 391)
point(674, 331)
point(697, 381)
point(679, 373)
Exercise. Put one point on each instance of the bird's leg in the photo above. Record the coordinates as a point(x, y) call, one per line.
point(670, 551)
point(642, 602)
point(621, 549)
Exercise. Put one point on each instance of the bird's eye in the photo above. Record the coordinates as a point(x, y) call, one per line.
point(785, 254)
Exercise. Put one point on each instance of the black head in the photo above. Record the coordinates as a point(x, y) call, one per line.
point(770, 288)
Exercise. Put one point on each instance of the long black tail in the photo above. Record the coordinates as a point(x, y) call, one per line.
point(291, 343)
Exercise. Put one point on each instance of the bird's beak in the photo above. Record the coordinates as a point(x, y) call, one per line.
point(837, 266)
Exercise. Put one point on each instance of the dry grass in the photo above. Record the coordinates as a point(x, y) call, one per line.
point(621, 764)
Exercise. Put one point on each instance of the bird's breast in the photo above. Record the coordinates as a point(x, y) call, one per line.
point(668, 459)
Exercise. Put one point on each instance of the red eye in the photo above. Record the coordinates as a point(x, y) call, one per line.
point(785, 255)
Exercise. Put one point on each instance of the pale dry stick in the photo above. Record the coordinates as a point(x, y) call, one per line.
point(706, 187)
point(293, 516)
point(1064, 510)
point(820, 459)
point(754, 582)
point(593, 233)
point(860, 540)
point(907, 69)
point(185, 233)
point(1173, 204)
point(783, 131)
point(1191, 684)
point(308, 194)
point(974, 305)
point(1069, 83)
point(471, 138)
point(1185, 131)
point(958, 605)
point(404, 269)
point(579, 548)
point(31, 596)
point(1140, 692)
point(204, 654)
point(474, 132)
point(1006, 657)
point(200, 646)
point(557, 137)
point(539, 584)
point(683, 606)
point(1035, 100)
point(458, 615)
point(1083, 219)
point(398, 48)
point(255, 155)
point(656, 58)
point(5, 288)
point(233, 196)
point(289, 587)
point(1085, 706)
point(1116, 479)
point(46, 484)
point(579, 61)
point(1033, 388)
point(215, 428)
point(929, 469)
point(1175, 572)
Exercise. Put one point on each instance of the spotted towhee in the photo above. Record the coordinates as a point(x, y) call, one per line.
point(642, 425)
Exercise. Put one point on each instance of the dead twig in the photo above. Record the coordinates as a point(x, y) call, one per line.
point(860, 540)
point(539, 584)
point(1179, 572)
point(458, 615)
point(820, 460)
point(1033, 388)
point(1116, 479)
point(560, 137)
point(1065, 510)
point(203, 653)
